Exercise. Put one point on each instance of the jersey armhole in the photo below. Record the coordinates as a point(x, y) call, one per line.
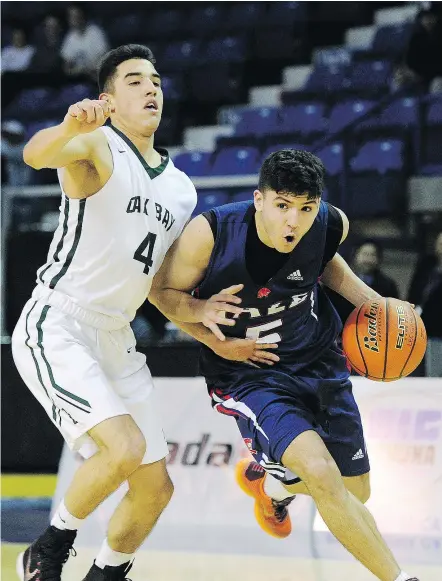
point(210, 216)
point(335, 229)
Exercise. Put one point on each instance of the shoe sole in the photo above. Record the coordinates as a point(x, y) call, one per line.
point(19, 567)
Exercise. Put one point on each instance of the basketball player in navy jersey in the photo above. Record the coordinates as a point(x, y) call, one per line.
point(294, 407)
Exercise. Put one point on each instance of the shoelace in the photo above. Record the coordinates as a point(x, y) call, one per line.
point(52, 561)
point(280, 507)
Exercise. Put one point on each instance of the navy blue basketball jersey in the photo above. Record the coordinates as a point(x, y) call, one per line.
point(291, 309)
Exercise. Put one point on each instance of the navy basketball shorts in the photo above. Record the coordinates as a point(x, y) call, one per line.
point(273, 406)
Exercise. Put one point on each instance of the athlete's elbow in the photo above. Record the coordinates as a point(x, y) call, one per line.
point(30, 158)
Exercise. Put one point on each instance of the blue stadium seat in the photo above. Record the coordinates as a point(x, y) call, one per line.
point(163, 24)
point(345, 113)
point(305, 118)
point(403, 112)
point(329, 78)
point(194, 163)
point(126, 28)
point(243, 195)
point(236, 161)
point(71, 94)
point(285, 13)
point(434, 113)
point(31, 103)
point(227, 49)
point(179, 55)
point(205, 20)
point(431, 154)
point(392, 39)
point(373, 75)
point(274, 43)
point(379, 156)
point(260, 121)
point(208, 199)
point(332, 156)
point(218, 82)
point(244, 15)
point(400, 115)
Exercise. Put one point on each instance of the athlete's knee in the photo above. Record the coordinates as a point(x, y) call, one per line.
point(126, 453)
point(360, 486)
point(151, 484)
point(321, 475)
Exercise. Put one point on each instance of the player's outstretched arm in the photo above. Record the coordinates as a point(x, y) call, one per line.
point(339, 276)
point(182, 271)
point(72, 140)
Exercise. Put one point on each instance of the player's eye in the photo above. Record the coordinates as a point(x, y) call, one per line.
point(135, 83)
point(157, 85)
point(282, 206)
point(307, 209)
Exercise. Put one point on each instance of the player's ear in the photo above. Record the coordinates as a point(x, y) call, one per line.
point(108, 97)
point(258, 198)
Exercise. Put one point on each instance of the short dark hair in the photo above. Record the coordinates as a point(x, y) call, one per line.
point(293, 171)
point(113, 58)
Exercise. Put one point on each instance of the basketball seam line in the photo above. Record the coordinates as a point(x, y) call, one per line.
point(414, 343)
point(357, 339)
point(386, 338)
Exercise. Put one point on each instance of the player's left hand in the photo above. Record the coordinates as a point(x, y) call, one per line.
point(247, 350)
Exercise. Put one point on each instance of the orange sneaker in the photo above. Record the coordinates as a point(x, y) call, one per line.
point(272, 515)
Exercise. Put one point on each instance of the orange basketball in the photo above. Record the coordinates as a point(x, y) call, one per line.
point(384, 339)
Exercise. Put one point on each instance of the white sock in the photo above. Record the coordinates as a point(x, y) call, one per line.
point(403, 576)
point(64, 520)
point(108, 557)
point(275, 489)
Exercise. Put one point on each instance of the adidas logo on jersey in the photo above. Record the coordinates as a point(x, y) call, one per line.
point(359, 455)
point(295, 276)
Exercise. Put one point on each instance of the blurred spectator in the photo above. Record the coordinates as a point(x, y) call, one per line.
point(423, 59)
point(426, 293)
point(13, 143)
point(18, 55)
point(366, 263)
point(47, 58)
point(84, 43)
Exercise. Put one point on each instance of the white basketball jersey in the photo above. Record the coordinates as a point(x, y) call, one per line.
point(107, 247)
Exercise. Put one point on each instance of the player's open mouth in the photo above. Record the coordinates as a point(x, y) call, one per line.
point(152, 106)
point(289, 239)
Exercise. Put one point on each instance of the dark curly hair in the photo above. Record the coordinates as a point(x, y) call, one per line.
point(109, 63)
point(293, 171)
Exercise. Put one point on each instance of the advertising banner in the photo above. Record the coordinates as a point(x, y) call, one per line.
point(210, 514)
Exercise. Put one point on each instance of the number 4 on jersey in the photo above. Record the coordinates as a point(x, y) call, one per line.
point(147, 245)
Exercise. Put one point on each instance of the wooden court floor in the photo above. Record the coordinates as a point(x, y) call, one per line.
point(163, 566)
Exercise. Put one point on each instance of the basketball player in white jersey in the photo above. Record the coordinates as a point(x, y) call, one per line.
point(123, 205)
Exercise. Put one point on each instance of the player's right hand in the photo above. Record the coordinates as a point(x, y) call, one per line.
point(86, 116)
point(215, 309)
point(247, 350)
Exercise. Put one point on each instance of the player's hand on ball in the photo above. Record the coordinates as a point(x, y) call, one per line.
point(86, 116)
point(214, 311)
point(247, 350)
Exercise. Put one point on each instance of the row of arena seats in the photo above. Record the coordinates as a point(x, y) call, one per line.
point(201, 20)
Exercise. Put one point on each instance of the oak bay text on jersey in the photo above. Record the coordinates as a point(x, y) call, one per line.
point(140, 205)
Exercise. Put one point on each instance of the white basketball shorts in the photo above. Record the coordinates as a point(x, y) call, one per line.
point(83, 374)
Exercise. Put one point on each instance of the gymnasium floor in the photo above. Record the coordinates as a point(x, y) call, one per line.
point(25, 512)
point(157, 566)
